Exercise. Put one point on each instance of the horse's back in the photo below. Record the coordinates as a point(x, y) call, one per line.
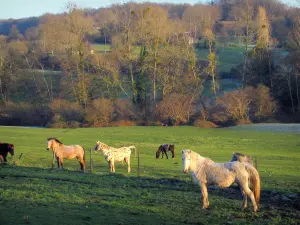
point(4, 148)
point(223, 174)
point(72, 151)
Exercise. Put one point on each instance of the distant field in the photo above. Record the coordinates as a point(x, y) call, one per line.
point(227, 58)
point(33, 193)
point(225, 85)
point(101, 48)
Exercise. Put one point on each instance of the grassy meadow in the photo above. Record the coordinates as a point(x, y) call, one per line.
point(31, 192)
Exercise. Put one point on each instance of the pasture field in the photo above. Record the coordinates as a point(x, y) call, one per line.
point(31, 192)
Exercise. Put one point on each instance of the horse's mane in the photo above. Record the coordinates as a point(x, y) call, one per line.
point(55, 140)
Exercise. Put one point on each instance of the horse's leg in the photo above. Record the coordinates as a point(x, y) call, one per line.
point(127, 160)
point(112, 166)
point(61, 162)
point(166, 154)
point(204, 195)
point(109, 166)
point(162, 154)
point(57, 161)
point(244, 185)
point(245, 200)
point(82, 163)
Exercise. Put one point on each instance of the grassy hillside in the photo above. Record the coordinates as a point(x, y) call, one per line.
point(33, 193)
point(228, 57)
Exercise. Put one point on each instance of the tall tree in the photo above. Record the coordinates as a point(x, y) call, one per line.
point(243, 16)
point(263, 29)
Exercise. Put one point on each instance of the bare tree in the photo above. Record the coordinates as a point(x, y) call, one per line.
point(245, 29)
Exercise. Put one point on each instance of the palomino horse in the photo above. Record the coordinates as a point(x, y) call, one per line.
point(164, 148)
point(62, 152)
point(205, 171)
point(113, 155)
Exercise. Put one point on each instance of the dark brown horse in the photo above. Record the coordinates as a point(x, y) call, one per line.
point(62, 152)
point(164, 148)
point(6, 148)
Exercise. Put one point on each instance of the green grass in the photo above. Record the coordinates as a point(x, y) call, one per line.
point(101, 48)
point(227, 58)
point(33, 193)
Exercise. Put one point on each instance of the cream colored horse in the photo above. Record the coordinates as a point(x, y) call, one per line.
point(205, 172)
point(113, 155)
point(62, 152)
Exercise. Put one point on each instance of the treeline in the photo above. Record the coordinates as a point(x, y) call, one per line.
point(51, 76)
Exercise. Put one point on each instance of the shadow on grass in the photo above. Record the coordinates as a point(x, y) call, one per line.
point(121, 186)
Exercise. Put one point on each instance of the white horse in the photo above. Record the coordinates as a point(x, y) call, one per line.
point(113, 155)
point(205, 172)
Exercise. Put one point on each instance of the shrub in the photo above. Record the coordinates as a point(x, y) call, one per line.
point(24, 114)
point(204, 124)
point(65, 112)
point(100, 112)
point(176, 109)
point(124, 110)
point(122, 123)
point(243, 106)
point(264, 105)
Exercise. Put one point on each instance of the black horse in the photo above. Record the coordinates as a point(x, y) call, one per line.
point(164, 148)
point(6, 148)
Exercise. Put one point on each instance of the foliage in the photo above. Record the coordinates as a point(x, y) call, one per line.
point(243, 106)
point(66, 112)
point(100, 111)
point(204, 124)
point(176, 108)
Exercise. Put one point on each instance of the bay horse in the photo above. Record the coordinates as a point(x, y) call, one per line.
point(205, 171)
point(164, 148)
point(6, 148)
point(113, 155)
point(62, 152)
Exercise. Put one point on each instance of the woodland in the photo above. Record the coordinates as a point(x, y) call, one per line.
point(220, 63)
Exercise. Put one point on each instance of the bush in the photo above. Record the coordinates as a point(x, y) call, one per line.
point(243, 106)
point(122, 123)
point(100, 112)
point(124, 110)
point(24, 114)
point(58, 124)
point(65, 113)
point(176, 109)
point(204, 124)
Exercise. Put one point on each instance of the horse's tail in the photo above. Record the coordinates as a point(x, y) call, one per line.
point(134, 149)
point(254, 181)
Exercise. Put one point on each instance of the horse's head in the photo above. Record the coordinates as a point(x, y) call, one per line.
point(186, 160)
point(99, 146)
point(11, 149)
point(157, 154)
point(52, 143)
